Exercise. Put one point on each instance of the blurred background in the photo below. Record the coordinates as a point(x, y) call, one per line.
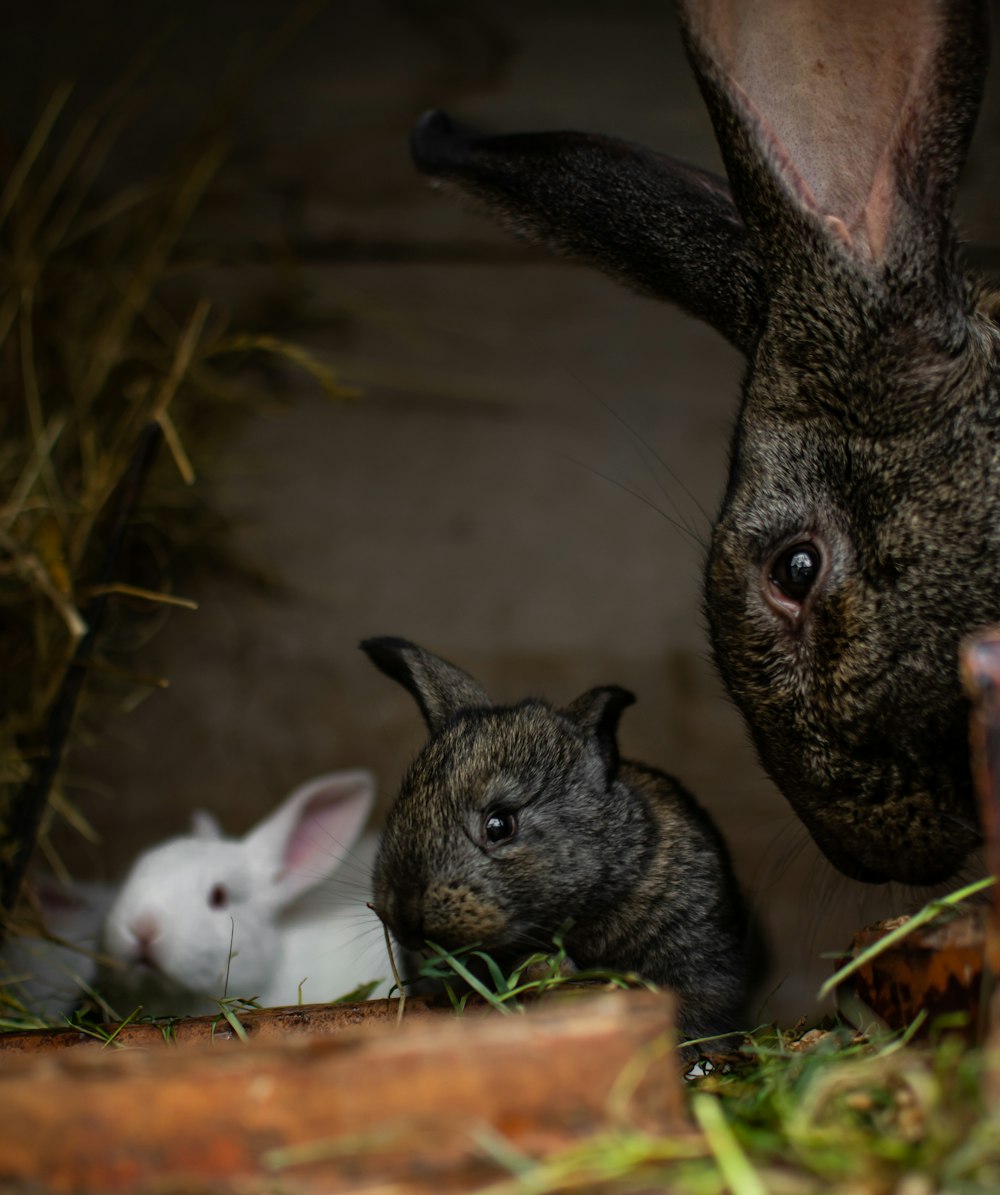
point(526, 482)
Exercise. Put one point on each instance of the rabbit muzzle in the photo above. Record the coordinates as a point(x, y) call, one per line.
point(456, 915)
point(878, 807)
point(900, 840)
point(449, 913)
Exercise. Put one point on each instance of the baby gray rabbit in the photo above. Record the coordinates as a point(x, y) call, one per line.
point(515, 821)
point(859, 536)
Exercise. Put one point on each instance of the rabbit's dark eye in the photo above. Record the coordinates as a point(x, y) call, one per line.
point(796, 570)
point(499, 827)
point(218, 898)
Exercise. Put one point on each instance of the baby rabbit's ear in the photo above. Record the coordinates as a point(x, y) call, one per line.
point(309, 835)
point(655, 223)
point(597, 712)
point(205, 826)
point(847, 119)
point(441, 690)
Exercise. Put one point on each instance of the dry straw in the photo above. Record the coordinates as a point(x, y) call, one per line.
point(94, 348)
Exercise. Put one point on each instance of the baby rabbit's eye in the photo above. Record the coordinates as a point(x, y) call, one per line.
point(499, 827)
point(793, 574)
point(218, 898)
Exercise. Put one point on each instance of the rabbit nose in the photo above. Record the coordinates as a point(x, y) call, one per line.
point(146, 931)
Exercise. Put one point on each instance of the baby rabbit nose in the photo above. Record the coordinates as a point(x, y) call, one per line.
point(145, 929)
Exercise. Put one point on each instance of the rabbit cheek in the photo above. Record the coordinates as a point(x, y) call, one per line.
point(455, 915)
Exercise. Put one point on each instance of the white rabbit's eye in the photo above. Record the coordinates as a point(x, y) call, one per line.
point(499, 827)
point(218, 898)
point(797, 570)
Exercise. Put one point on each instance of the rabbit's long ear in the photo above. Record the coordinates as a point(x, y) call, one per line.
point(853, 116)
point(597, 712)
point(660, 225)
point(310, 834)
point(205, 825)
point(441, 690)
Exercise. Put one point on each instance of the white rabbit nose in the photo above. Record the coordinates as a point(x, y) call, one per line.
point(146, 930)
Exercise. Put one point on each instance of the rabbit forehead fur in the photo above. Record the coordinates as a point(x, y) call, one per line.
point(185, 867)
point(889, 459)
point(529, 760)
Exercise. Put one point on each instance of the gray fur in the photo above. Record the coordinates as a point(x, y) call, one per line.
point(870, 421)
point(620, 850)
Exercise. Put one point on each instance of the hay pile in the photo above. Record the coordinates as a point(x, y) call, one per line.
point(95, 349)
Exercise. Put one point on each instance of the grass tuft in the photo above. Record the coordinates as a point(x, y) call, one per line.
point(470, 970)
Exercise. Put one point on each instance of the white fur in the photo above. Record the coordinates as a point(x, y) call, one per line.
point(47, 978)
point(294, 922)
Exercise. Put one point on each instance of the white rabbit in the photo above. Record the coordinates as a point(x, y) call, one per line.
point(49, 978)
point(204, 916)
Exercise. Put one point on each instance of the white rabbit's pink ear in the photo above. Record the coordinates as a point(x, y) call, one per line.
point(311, 833)
point(205, 826)
point(855, 113)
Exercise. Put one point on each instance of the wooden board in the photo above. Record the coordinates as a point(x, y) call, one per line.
point(264, 1024)
point(415, 1108)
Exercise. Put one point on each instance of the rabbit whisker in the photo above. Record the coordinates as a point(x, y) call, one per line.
point(347, 853)
point(644, 448)
point(964, 822)
point(640, 496)
point(337, 885)
point(769, 872)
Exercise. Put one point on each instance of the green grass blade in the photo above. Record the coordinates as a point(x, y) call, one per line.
point(931, 910)
point(476, 984)
point(498, 977)
point(121, 1025)
point(356, 995)
point(736, 1167)
point(234, 1021)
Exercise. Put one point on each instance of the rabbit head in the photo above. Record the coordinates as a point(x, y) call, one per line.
point(500, 832)
point(197, 916)
point(858, 538)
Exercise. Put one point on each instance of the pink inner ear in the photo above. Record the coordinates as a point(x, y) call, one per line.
point(833, 88)
point(324, 832)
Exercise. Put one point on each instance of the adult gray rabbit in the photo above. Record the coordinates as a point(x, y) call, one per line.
point(516, 821)
point(859, 535)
